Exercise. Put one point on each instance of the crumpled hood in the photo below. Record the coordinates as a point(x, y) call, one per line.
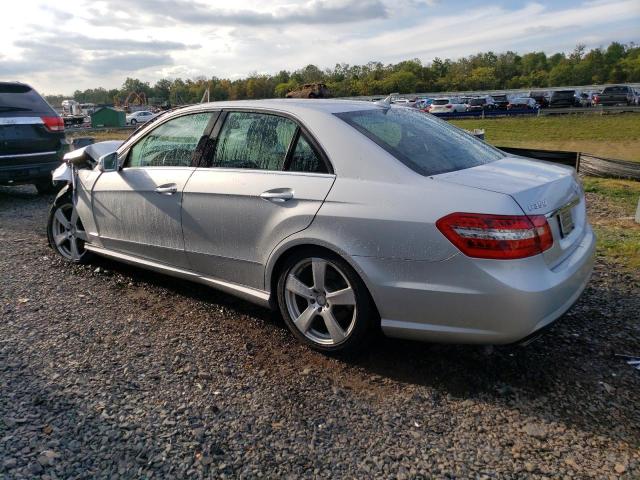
point(94, 151)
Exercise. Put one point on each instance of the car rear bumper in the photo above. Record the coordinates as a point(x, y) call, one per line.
point(464, 300)
point(38, 168)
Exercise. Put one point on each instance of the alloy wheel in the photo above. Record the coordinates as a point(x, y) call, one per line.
point(320, 301)
point(68, 233)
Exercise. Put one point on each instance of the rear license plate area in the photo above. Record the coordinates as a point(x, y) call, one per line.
point(565, 219)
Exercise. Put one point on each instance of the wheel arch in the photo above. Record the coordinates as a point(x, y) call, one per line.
point(282, 252)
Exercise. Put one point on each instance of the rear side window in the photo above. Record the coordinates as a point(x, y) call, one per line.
point(15, 97)
point(305, 159)
point(171, 144)
point(254, 140)
point(564, 94)
point(422, 142)
point(615, 90)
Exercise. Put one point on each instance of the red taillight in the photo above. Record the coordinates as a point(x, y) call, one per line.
point(497, 236)
point(53, 124)
point(448, 106)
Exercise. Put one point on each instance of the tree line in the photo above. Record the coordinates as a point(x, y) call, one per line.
point(483, 71)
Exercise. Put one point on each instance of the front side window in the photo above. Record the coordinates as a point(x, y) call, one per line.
point(254, 140)
point(425, 144)
point(305, 159)
point(171, 144)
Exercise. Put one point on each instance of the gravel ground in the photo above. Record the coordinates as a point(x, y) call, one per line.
point(108, 371)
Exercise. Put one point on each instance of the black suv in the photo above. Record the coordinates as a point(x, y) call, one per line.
point(32, 140)
point(564, 99)
point(500, 101)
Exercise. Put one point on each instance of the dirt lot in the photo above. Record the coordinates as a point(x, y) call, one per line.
point(110, 371)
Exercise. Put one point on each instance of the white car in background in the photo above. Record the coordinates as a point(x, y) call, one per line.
point(142, 116)
point(447, 105)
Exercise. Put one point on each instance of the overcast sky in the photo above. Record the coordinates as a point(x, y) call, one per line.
point(58, 47)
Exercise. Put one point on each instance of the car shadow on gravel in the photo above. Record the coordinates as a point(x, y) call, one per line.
point(557, 378)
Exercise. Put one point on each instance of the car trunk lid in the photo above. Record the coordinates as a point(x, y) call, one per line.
point(539, 188)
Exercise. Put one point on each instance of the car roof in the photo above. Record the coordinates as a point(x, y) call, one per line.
point(291, 105)
point(22, 84)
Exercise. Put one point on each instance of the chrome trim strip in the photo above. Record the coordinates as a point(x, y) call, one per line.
point(254, 295)
point(570, 204)
point(22, 155)
point(21, 121)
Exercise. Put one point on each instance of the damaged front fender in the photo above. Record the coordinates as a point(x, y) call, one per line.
point(63, 173)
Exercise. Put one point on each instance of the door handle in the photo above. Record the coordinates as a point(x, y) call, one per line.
point(167, 189)
point(278, 195)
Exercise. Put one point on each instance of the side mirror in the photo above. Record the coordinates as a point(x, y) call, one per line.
point(109, 163)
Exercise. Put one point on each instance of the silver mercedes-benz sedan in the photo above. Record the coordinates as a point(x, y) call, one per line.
point(346, 216)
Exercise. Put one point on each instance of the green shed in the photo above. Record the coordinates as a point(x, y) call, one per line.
point(108, 117)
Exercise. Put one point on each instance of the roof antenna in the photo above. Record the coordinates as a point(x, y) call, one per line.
point(386, 103)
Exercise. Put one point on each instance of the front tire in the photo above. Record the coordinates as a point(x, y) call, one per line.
point(133, 121)
point(65, 230)
point(46, 187)
point(325, 303)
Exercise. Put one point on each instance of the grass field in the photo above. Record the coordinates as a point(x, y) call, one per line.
point(102, 135)
point(612, 205)
point(612, 136)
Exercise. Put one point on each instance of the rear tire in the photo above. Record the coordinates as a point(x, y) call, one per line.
point(325, 303)
point(65, 231)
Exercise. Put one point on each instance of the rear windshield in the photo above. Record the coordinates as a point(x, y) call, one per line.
point(425, 144)
point(500, 98)
point(21, 98)
point(615, 90)
point(477, 101)
point(441, 101)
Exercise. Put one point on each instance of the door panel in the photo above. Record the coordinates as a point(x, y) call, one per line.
point(137, 209)
point(132, 217)
point(230, 230)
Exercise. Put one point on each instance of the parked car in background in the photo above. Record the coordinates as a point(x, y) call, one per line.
point(522, 103)
point(447, 105)
point(32, 139)
point(346, 216)
point(563, 99)
point(310, 90)
point(636, 97)
point(501, 101)
point(142, 116)
point(541, 98)
point(616, 95)
point(585, 99)
point(423, 103)
point(480, 103)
